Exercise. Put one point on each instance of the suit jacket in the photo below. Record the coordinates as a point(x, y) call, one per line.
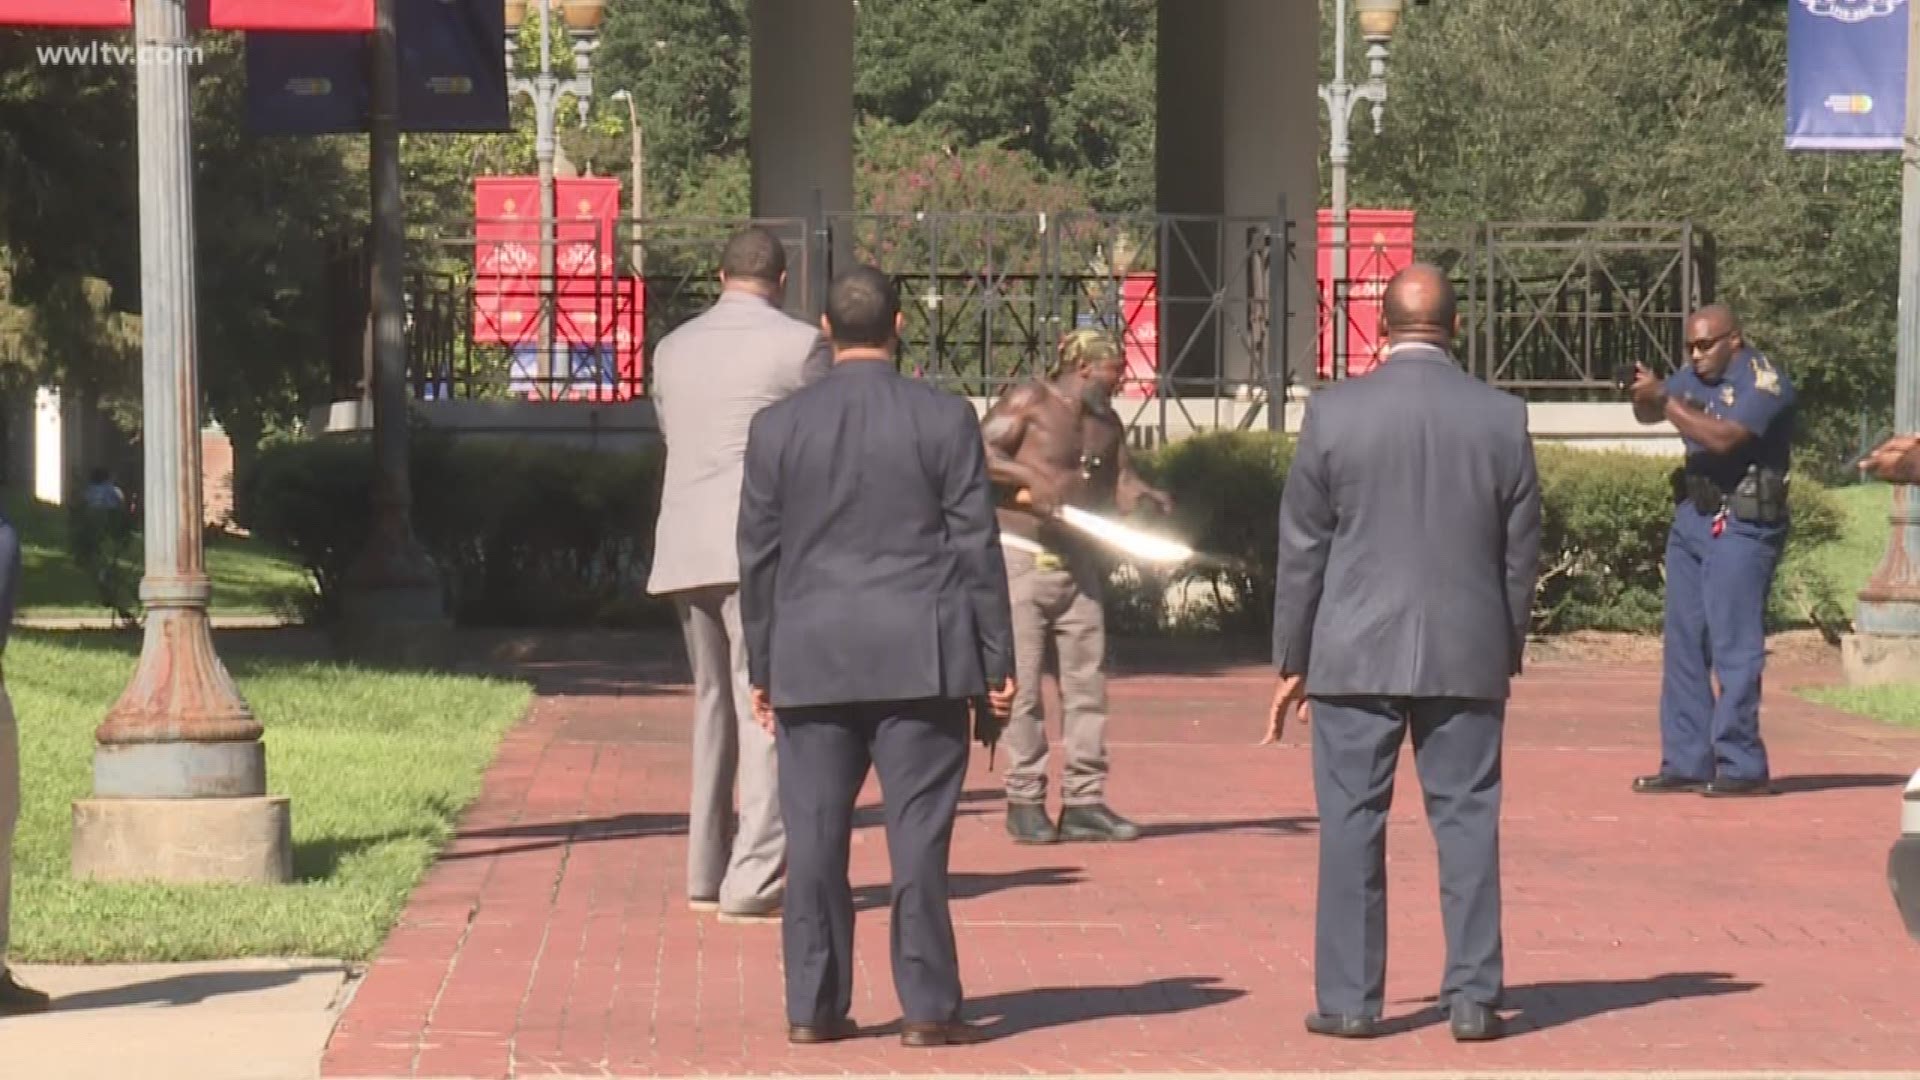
point(1409, 535)
point(711, 375)
point(870, 563)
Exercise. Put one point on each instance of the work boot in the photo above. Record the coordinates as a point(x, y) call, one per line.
point(1095, 822)
point(17, 1000)
point(1028, 823)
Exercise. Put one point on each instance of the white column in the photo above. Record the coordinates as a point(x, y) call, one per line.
point(49, 446)
point(1272, 140)
point(801, 131)
point(1238, 129)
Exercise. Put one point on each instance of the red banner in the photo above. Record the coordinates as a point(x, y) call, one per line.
point(110, 14)
point(1379, 245)
point(598, 317)
point(1140, 314)
point(343, 16)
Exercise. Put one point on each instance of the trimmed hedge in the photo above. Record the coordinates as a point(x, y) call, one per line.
point(1605, 517)
point(525, 534)
point(536, 535)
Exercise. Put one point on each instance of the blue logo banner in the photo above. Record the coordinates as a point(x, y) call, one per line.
point(1846, 74)
point(452, 73)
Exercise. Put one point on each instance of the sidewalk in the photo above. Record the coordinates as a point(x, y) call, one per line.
point(1670, 934)
point(232, 1020)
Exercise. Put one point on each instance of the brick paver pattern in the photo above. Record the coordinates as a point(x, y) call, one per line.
point(1642, 932)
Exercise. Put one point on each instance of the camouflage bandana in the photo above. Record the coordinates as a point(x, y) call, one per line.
point(1085, 345)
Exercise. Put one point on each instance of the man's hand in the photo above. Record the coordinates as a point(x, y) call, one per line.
point(1042, 495)
point(763, 710)
point(1158, 498)
point(1896, 461)
point(1001, 700)
point(1289, 695)
point(1646, 388)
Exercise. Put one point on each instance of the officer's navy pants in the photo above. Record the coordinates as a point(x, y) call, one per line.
point(1715, 628)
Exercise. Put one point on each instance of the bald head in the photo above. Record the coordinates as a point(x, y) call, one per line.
point(1713, 337)
point(1420, 305)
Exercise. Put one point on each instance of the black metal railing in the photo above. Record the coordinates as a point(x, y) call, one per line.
point(1201, 302)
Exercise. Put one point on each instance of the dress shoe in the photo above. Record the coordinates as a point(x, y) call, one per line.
point(17, 1000)
point(951, 1033)
point(1343, 1027)
point(1727, 788)
point(1095, 822)
point(1472, 1021)
point(1662, 784)
point(703, 903)
point(832, 1031)
point(1028, 823)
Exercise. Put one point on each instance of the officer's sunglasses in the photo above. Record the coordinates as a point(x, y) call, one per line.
point(1703, 344)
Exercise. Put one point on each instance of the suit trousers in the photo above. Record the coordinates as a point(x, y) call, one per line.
point(740, 866)
point(920, 751)
point(1356, 751)
point(1058, 607)
point(9, 813)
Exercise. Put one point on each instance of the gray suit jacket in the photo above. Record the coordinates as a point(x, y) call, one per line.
point(870, 564)
point(1409, 536)
point(711, 375)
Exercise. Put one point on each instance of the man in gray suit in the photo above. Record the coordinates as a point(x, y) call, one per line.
point(875, 602)
point(711, 376)
point(1409, 548)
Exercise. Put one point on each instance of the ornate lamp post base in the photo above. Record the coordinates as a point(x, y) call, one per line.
point(179, 771)
point(1886, 646)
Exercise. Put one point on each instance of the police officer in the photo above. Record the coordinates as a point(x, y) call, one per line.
point(1734, 410)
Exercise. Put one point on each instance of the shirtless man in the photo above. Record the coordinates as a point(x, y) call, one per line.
point(1055, 442)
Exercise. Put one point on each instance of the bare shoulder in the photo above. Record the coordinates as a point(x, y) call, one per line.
point(1020, 396)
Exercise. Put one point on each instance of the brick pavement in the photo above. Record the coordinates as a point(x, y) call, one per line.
point(1643, 933)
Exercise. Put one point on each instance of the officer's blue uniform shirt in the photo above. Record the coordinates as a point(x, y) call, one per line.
point(1753, 393)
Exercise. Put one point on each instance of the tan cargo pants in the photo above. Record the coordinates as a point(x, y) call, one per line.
point(1057, 603)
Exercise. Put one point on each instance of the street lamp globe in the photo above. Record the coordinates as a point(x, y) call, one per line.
point(516, 11)
point(1378, 19)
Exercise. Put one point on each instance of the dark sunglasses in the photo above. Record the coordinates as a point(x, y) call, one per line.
point(1703, 344)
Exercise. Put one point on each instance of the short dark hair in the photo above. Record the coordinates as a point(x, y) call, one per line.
point(754, 254)
point(861, 306)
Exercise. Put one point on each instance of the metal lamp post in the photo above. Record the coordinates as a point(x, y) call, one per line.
point(545, 91)
point(1378, 20)
point(639, 166)
point(393, 604)
point(179, 770)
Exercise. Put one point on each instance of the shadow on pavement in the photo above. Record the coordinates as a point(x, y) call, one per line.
point(967, 886)
point(176, 990)
point(1540, 1006)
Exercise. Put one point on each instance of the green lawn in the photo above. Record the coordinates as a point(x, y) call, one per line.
point(249, 578)
point(1853, 557)
point(1852, 560)
point(378, 766)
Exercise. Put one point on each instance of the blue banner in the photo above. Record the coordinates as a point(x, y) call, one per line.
point(452, 73)
point(307, 84)
point(1846, 74)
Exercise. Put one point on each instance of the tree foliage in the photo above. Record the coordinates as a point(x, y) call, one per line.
point(1638, 110)
point(1500, 110)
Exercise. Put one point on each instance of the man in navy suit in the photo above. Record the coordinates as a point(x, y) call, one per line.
point(874, 599)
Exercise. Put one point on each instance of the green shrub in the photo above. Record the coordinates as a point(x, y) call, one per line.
point(536, 535)
point(1604, 522)
point(524, 534)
